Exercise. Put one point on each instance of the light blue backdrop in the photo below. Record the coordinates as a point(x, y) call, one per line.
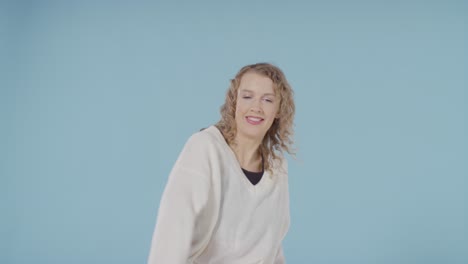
point(98, 97)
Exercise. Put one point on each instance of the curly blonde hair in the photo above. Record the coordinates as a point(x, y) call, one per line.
point(279, 137)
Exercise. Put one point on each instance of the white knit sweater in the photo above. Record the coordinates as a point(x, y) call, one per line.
point(210, 213)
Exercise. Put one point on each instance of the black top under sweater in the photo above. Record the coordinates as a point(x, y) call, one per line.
point(254, 177)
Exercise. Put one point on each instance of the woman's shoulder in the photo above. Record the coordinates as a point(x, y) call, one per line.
point(200, 150)
point(206, 138)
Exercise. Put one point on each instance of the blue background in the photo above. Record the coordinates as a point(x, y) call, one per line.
point(98, 97)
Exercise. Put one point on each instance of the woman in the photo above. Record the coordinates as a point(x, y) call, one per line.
point(226, 199)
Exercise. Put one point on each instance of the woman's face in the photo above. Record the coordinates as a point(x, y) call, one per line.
point(257, 106)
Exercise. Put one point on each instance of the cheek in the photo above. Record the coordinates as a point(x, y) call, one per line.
point(272, 111)
point(238, 111)
point(237, 108)
point(240, 108)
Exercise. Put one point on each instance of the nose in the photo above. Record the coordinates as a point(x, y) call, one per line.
point(256, 106)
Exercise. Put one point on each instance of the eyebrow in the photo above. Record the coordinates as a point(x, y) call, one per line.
point(250, 91)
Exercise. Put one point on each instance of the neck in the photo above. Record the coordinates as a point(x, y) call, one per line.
point(247, 153)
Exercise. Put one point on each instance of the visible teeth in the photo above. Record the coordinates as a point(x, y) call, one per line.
point(254, 119)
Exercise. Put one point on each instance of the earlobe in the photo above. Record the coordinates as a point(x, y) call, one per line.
point(278, 114)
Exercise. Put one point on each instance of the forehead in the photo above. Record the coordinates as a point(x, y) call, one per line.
point(257, 83)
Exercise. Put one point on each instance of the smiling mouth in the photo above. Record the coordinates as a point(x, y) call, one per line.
point(254, 120)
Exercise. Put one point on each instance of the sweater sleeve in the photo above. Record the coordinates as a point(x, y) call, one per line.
point(280, 259)
point(184, 197)
point(280, 256)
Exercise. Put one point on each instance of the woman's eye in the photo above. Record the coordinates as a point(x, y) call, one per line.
point(246, 97)
point(268, 100)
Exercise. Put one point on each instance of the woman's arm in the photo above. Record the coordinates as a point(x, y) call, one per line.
point(280, 256)
point(184, 196)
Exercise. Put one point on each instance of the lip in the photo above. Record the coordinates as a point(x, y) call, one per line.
point(250, 120)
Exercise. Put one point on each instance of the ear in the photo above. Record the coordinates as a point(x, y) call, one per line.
point(278, 112)
point(277, 116)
